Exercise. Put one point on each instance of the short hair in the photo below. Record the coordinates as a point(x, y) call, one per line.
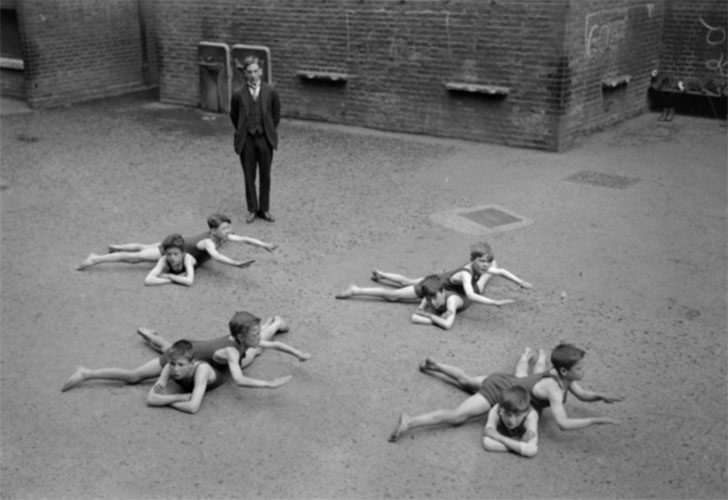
point(515, 399)
point(431, 285)
point(251, 60)
point(241, 323)
point(181, 349)
point(481, 249)
point(173, 241)
point(566, 356)
point(216, 220)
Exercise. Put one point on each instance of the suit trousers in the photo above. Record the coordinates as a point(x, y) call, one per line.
point(256, 158)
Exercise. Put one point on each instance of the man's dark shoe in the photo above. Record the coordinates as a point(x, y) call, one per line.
point(250, 218)
point(268, 216)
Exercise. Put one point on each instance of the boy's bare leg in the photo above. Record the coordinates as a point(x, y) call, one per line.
point(541, 361)
point(390, 294)
point(453, 374)
point(129, 247)
point(156, 341)
point(398, 279)
point(151, 254)
point(150, 369)
point(524, 362)
point(475, 406)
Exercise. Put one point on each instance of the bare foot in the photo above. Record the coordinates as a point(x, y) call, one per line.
point(402, 426)
point(529, 354)
point(146, 333)
point(282, 325)
point(349, 292)
point(304, 356)
point(428, 365)
point(246, 263)
point(74, 379)
point(90, 261)
point(271, 248)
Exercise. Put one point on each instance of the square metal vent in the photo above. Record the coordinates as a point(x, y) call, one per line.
point(603, 180)
point(480, 220)
point(491, 217)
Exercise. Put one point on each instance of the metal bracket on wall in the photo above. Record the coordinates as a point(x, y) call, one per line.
point(616, 81)
point(494, 90)
point(330, 76)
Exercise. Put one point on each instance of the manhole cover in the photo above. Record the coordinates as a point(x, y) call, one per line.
point(491, 217)
point(480, 220)
point(603, 180)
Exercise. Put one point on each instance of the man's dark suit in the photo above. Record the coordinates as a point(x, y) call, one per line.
point(256, 149)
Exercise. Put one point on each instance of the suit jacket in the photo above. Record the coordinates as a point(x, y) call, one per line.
point(239, 105)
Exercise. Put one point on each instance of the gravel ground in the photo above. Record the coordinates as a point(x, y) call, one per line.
point(636, 276)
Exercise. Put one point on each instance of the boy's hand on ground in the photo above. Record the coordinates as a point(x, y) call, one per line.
point(504, 302)
point(606, 420)
point(304, 356)
point(274, 384)
point(612, 399)
point(526, 284)
point(245, 263)
point(271, 247)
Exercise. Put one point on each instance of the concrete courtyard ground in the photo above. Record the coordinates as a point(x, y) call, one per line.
point(634, 272)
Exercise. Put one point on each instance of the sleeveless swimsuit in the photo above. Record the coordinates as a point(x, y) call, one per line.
point(203, 350)
point(200, 255)
point(493, 386)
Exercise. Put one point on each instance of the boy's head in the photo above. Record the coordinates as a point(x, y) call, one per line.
point(245, 328)
point(481, 255)
point(173, 247)
point(566, 360)
point(181, 360)
point(433, 290)
point(219, 225)
point(514, 406)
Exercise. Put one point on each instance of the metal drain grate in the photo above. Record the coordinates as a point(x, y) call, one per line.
point(480, 220)
point(491, 217)
point(603, 180)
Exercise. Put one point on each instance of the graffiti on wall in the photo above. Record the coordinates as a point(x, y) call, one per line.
point(605, 31)
point(715, 37)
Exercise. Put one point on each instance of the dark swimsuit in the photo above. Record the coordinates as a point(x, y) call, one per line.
point(204, 350)
point(493, 386)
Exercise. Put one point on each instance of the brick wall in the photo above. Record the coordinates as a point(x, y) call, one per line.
point(694, 40)
point(80, 49)
point(398, 55)
point(609, 40)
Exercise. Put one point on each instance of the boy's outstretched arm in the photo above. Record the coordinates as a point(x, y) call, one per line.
point(499, 271)
point(592, 396)
point(233, 359)
point(495, 441)
point(283, 347)
point(570, 424)
point(215, 254)
point(464, 278)
point(252, 241)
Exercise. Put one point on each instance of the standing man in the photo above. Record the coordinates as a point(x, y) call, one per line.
point(255, 111)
